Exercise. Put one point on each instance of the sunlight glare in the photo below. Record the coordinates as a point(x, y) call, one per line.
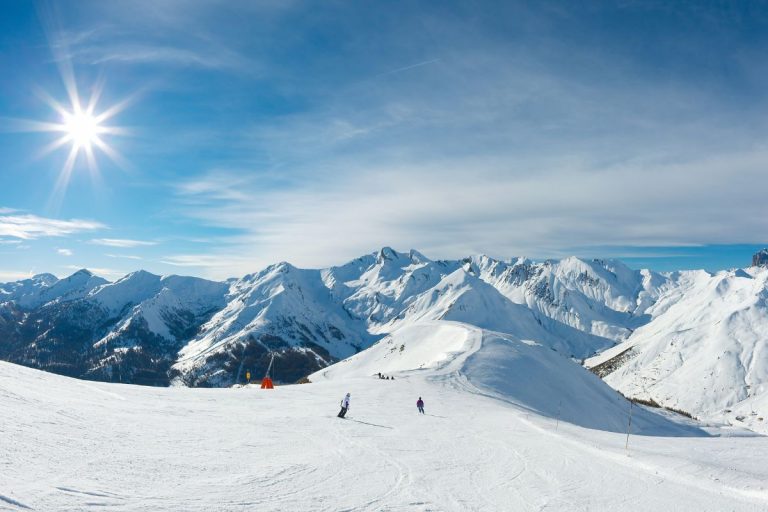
point(81, 128)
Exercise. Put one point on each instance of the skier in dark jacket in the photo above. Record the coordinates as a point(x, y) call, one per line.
point(420, 405)
point(344, 406)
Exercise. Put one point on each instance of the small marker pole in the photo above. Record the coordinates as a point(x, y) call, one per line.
point(559, 407)
point(629, 426)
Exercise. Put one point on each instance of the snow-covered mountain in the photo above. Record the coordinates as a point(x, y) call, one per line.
point(315, 317)
point(602, 297)
point(280, 309)
point(84, 326)
point(689, 340)
point(704, 351)
point(25, 293)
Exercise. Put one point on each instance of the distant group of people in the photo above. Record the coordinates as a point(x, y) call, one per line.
point(384, 377)
point(347, 397)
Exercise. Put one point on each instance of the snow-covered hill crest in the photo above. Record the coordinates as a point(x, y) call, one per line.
point(526, 374)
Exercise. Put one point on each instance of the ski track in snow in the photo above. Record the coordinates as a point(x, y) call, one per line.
point(126, 448)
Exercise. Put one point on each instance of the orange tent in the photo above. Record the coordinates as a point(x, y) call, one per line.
point(266, 382)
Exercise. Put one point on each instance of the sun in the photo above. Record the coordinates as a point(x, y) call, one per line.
point(81, 128)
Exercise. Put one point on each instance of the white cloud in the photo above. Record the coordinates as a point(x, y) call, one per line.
point(135, 53)
point(216, 266)
point(121, 242)
point(64, 252)
point(125, 256)
point(486, 205)
point(30, 227)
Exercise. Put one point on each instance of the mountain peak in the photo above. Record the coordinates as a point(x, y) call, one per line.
point(417, 257)
point(141, 273)
point(760, 258)
point(45, 278)
point(387, 253)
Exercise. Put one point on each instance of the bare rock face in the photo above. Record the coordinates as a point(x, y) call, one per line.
point(760, 259)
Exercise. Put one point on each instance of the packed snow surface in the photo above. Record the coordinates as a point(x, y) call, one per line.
point(510, 425)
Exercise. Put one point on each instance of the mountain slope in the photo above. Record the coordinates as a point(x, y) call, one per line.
point(25, 293)
point(705, 350)
point(281, 309)
point(127, 331)
point(525, 373)
point(601, 297)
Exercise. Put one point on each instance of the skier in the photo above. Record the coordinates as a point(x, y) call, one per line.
point(344, 406)
point(420, 405)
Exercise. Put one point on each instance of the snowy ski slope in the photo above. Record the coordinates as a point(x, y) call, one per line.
point(510, 425)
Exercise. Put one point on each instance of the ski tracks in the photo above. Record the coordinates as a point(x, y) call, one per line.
point(403, 473)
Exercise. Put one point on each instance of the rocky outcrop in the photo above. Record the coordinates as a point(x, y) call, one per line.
point(760, 259)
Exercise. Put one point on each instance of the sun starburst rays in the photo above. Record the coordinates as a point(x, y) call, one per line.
point(81, 126)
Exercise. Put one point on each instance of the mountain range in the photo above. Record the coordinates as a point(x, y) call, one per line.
point(689, 340)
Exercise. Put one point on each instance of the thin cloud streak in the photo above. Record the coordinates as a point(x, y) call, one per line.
point(406, 68)
point(124, 256)
point(30, 227)
point(120, 242)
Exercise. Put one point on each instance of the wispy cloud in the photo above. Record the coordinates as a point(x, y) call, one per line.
point(64, 252)
point(449, 211)
point(30, 227)
point(121, 242)
point(409, 67)
point(172, 34)
point(209, 261)
point(159, 54)
point(216, 186)
point(124, 256)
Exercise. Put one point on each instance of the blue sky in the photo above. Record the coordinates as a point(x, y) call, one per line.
point(314, 132)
